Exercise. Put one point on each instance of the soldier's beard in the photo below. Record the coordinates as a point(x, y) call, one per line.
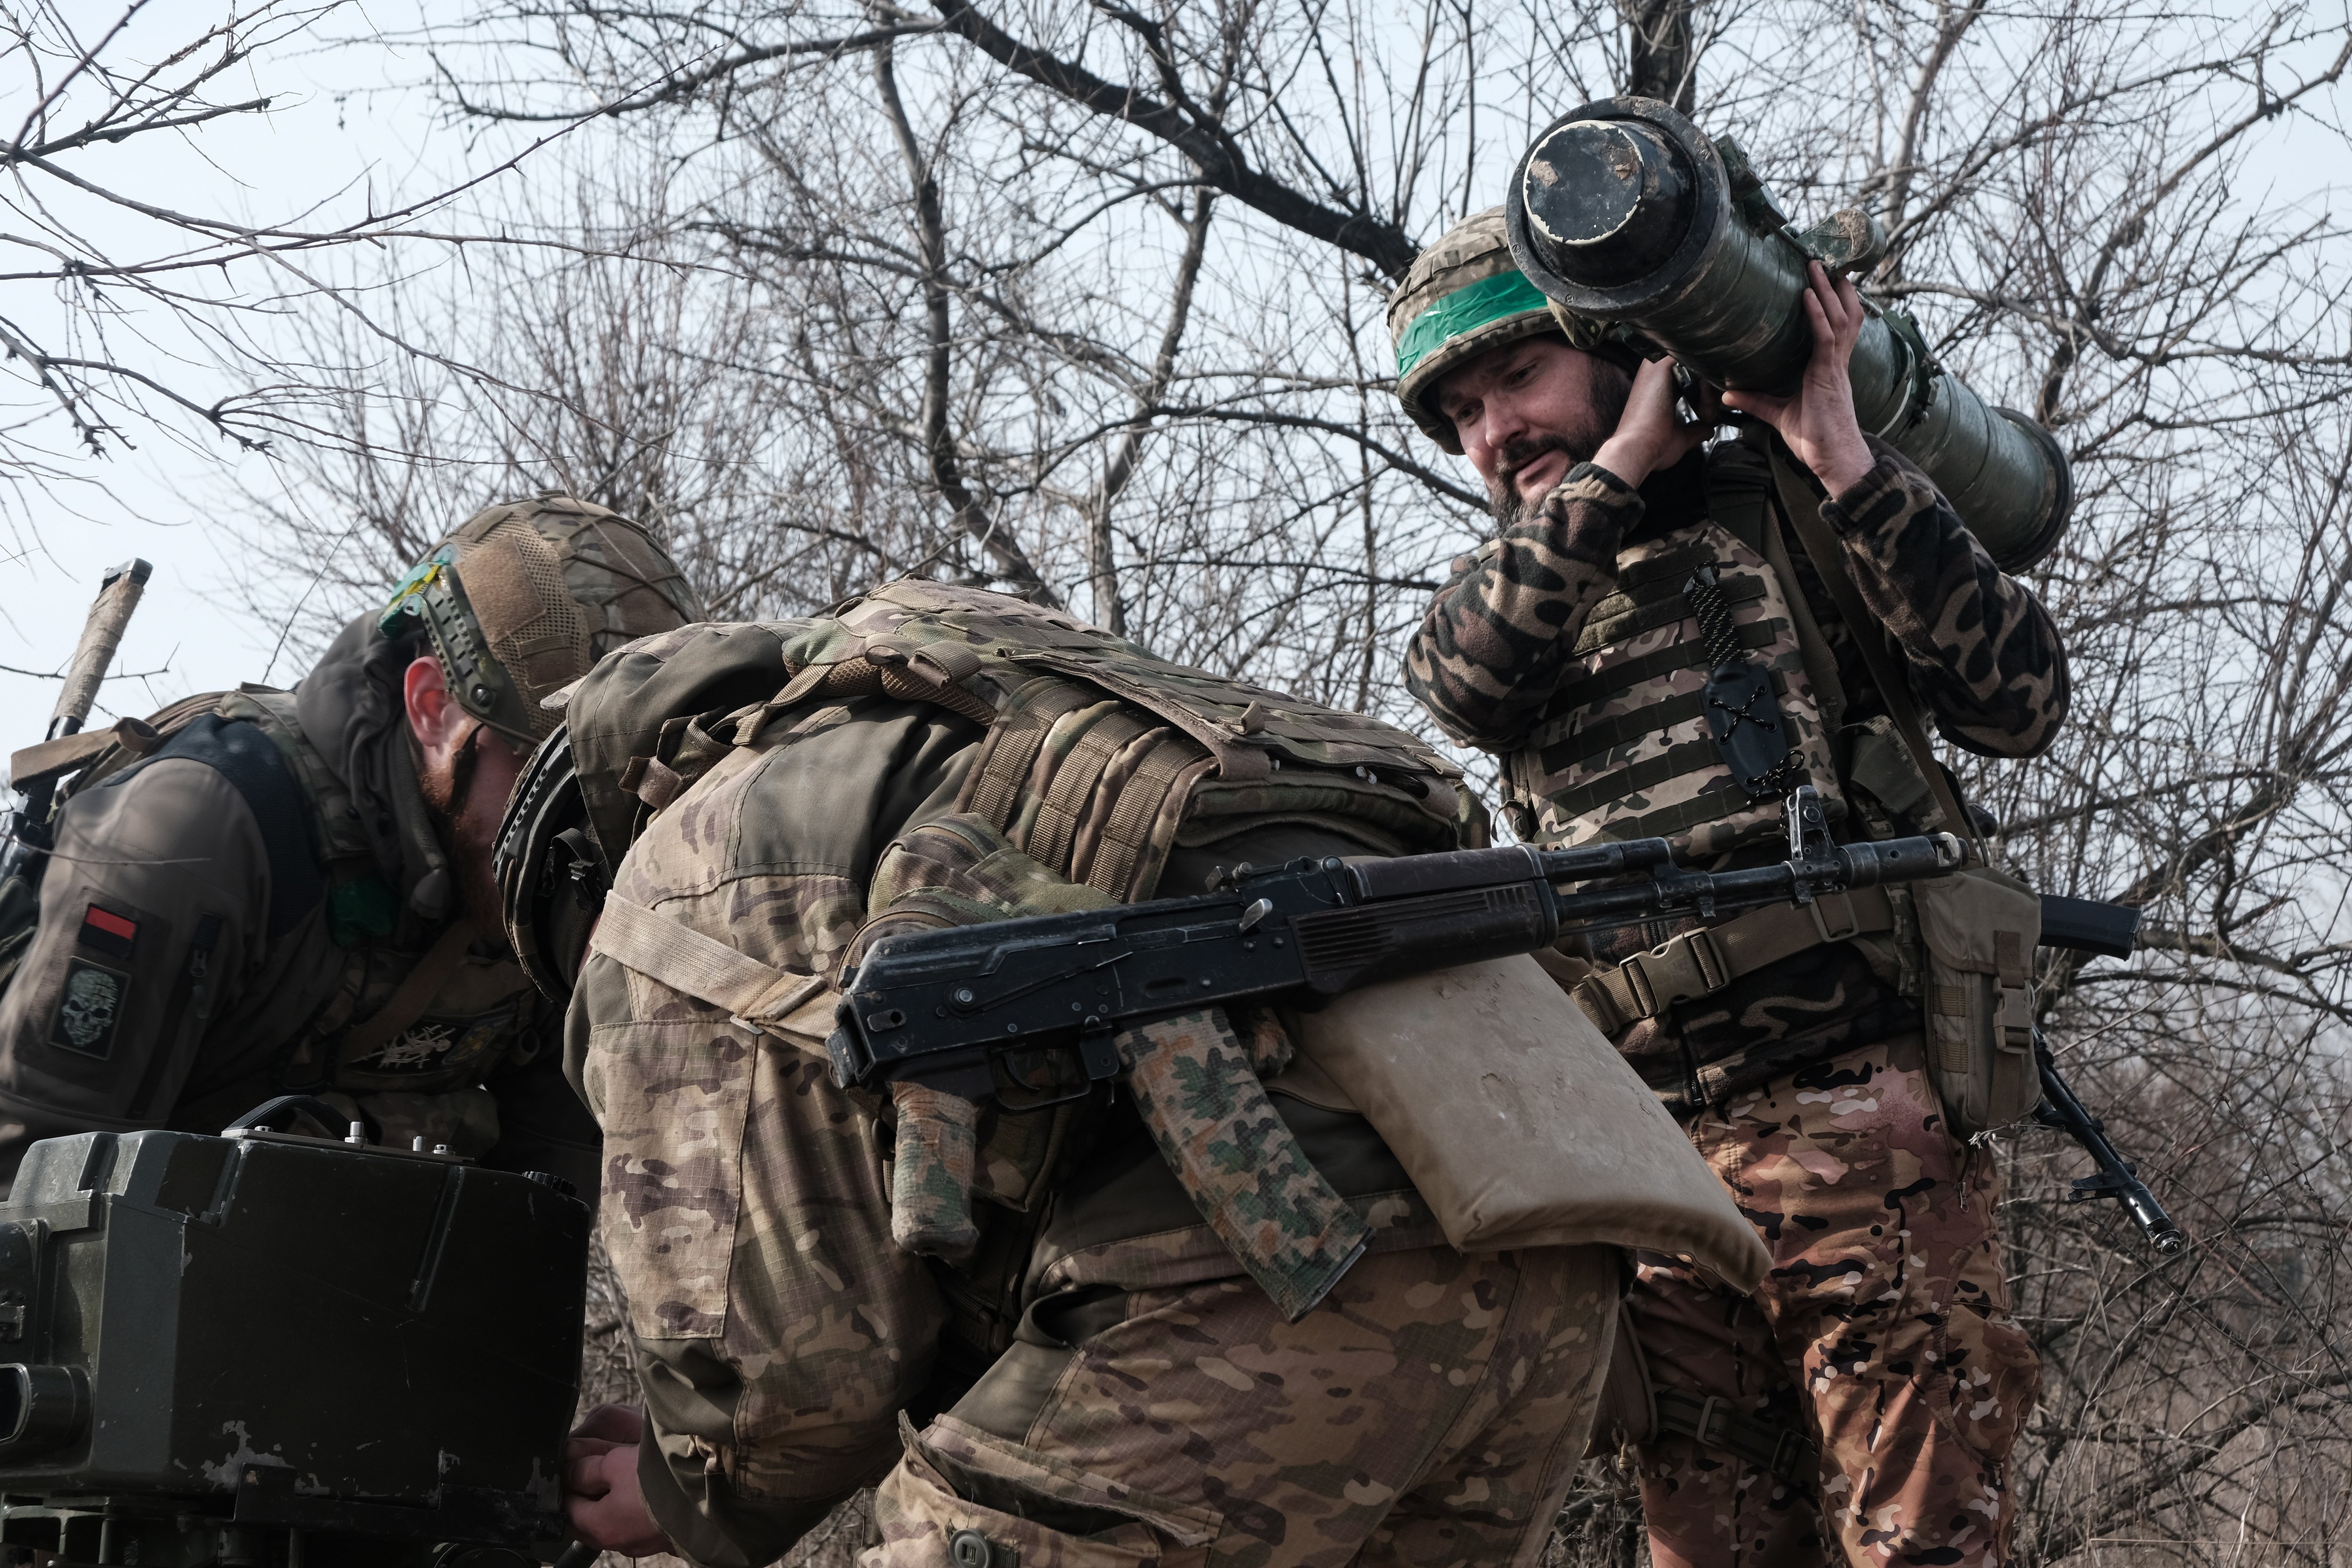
point(1607, 387)
point(468, 821)
point(1510, 507)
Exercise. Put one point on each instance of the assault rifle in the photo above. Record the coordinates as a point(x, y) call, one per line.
point(942, 1007)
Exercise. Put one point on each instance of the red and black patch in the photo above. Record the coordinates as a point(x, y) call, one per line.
point(103, 930)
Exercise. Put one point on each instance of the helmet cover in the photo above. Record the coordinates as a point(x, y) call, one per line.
point(524, 597)
point(1466, 295)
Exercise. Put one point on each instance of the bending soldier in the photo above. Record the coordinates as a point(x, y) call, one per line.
point(802, 1262)
point(289, 891)
point(1875, 1387)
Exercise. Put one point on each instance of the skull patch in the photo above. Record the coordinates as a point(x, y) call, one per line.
point(87, 1011)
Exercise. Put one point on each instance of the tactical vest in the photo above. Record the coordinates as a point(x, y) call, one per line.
point(1623, 750)
point(372, 1034)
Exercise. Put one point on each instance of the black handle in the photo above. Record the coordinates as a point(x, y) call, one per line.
point(278, 1115)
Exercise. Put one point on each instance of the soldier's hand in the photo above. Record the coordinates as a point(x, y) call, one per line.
point(1817, 420)
point(601, 1496)
point(1651, 434)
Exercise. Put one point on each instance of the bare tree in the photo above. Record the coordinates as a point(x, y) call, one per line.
point(1087, 301)
point(128, 311)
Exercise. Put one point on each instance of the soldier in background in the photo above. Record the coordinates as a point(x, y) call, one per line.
point(1113, 1389)
point(1875, 1385)
point(291, 891)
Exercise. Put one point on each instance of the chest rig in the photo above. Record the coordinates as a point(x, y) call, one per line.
point(407, 1009)
point(1692, 674)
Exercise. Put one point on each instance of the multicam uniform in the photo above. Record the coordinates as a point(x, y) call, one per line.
point(1572, 647)
point(938, 755)
point(258, 902)
point(1567, 647)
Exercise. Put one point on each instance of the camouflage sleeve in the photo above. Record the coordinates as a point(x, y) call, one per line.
point(778, 1330)
point(1495, 645)
point(1985, 657)
point(150, 911)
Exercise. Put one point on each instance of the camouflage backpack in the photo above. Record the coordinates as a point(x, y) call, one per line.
point(1099, 760)
point(1092, 759)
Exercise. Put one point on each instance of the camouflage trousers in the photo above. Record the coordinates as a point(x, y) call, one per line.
point(1883, 1331)
point(1429, 1413)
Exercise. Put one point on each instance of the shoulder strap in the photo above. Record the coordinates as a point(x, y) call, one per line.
point(333, 822)
point(671, 952)
point(1894, 684)
point(411, 998)
point(1820, 664)
point(241, 755)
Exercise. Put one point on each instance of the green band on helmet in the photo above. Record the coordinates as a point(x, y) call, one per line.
point(1488, 300)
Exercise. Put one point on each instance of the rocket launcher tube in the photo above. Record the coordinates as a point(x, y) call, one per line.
point(1623, 211)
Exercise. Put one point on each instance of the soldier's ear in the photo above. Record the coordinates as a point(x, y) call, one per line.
point(434, 717)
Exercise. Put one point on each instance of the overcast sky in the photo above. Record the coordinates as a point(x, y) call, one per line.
point(345, 128)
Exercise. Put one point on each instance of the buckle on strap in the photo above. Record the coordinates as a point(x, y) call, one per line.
point(1683, 970)
point(1794, 1453)
point(1601, 1002)
point(1817, 908)
point(1785, 1450)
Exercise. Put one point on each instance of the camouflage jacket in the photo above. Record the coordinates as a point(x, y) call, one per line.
point(212, 927)
point(1503, 661)
point(779, 1327)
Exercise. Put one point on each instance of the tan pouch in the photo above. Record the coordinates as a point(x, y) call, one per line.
point(1980, 928)
point(1519, 1123)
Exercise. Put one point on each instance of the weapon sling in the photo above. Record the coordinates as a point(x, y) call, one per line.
point(1979, 927)
point(1828, 557)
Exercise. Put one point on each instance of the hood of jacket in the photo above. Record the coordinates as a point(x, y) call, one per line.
point(352, 711)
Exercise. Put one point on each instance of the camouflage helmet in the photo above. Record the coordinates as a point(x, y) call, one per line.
point(524, 597)
point(1466, 295)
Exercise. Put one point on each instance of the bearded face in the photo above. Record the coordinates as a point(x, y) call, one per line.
point(1577, 429)
point(466, 793)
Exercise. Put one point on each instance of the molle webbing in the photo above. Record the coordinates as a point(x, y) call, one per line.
point(1627, 744)
point(1623, 615)
point(1686, 757)
point(1712, 804)
point(1083, 783)
point(1633, 672)
point(1603, 735)
point(866, 678)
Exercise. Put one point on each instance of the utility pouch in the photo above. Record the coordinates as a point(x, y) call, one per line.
point(1519, 1123)
point(1980, 928)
